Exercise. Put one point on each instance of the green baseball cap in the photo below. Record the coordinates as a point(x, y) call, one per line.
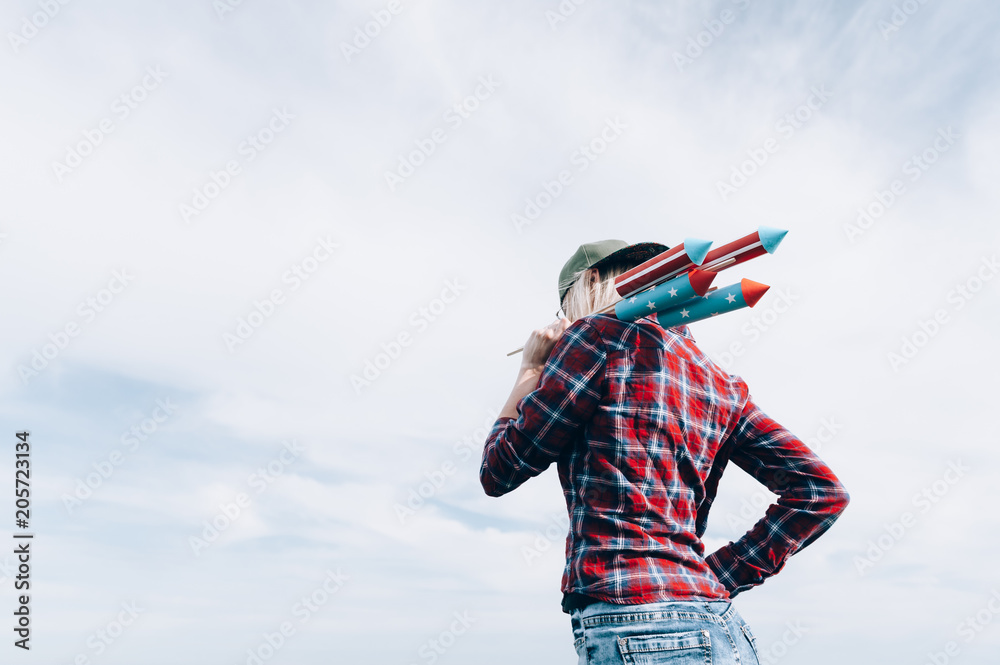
point(602, 253)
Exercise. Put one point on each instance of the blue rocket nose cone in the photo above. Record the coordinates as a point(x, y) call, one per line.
point(770, 238)
point(697, 249)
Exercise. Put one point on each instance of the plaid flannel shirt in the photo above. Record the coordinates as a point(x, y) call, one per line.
point(641, 425)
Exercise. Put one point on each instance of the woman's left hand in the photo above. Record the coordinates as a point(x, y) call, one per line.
point(540, 344)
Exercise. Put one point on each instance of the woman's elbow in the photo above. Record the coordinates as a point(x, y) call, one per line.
point(839, 499)
point(489, 483)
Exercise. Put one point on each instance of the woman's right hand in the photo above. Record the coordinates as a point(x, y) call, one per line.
point(540, 344)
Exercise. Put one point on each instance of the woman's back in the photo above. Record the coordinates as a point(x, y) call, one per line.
point(641, 425)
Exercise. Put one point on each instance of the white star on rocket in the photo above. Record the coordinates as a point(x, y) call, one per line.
point(685, 314)
point(634, 298)
point(651, 305)
point(731, 298)
point(672, 292)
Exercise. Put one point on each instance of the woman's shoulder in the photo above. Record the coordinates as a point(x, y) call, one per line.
point(632, 332)
point(649, 337)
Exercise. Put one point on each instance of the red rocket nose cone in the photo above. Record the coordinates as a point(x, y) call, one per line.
point(701, 280)
point(752, 291)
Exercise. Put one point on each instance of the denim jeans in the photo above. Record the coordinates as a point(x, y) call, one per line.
point(680, 633)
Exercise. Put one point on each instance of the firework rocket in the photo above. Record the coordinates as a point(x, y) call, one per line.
point(762, 241)
point(720, 301)
point(665, 296)
point(686, 271)
point(663, 266)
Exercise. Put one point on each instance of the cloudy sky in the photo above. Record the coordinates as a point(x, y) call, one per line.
point(263, 262)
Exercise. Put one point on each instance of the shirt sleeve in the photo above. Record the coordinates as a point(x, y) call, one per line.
point(810, 499)
point(568, 392)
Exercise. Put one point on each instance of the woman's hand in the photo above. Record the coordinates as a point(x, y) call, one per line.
point(536, 352)
point(540, 344)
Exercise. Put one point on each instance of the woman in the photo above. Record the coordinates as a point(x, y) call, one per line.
point(641, 425)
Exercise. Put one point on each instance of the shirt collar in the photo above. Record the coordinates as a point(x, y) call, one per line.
point(683, 331)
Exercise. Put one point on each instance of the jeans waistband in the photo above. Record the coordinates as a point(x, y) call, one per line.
point(601, 613)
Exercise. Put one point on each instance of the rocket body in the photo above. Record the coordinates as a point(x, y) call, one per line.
point(762, 241)
point(662, 267)
point(720, 301)
point(665, 296)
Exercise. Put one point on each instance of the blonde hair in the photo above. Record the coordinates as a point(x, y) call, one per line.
point(592, 290)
